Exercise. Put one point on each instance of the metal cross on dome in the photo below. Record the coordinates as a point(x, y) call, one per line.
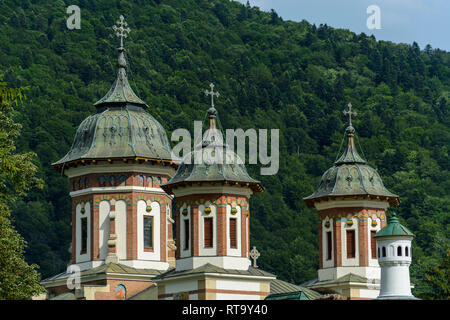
point(212, 94)
point(254, 254)
point(121, 29)
point(350, 113)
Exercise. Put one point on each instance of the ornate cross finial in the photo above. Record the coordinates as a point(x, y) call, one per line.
point(212, 94)
point(350, 113)
point(254, 254)
point(121, 29)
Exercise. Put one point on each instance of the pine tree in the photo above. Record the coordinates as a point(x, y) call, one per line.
point(18, 279)
point(439, 277)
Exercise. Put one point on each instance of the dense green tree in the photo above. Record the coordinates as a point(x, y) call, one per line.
point(439, 278)
point(18, 279)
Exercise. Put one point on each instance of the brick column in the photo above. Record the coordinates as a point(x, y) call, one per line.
point(95, 245)
point(337, 242)
point(383, 217)
point(222, 225)
point(74, 231)
point(244, 222)
point(132, 229)
point(320, 245)
point(163, 232)
point(178, 232)
point(363, 243)
point(195, 230)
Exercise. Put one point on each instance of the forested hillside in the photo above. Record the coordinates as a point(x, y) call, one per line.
point(270, 73)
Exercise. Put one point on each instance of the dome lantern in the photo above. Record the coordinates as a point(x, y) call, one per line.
point(394, 257)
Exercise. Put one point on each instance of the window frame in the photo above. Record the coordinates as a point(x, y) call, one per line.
point(235, 233)
point(211, 222)
point(351, 254)
point(329, 246)
point(186, 234)
point(147, 248)
point(83, 235)
point(373, 244)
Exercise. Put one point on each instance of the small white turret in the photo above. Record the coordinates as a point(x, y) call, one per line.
point(394, 257)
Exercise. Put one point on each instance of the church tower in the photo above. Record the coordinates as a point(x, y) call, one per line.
point(118, 161)
point(351, 201)
point(213, 225)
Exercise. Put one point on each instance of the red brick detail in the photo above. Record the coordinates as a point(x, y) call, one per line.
point(363, 243)
point(132, 235)
point(163, 232)
point(95, 239)
point(320, 246)
point(73, 255)
point(222, 225)
point(337, 243)
point(383, 220)
point(222, 222)
point(363, 213)
point(178, 233)
point(195, 232)
point(244, 222)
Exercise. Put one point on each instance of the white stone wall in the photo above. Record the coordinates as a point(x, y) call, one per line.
point(327, 263)
point(121, 229)
point(372, 262)
point(103, 222)
point(185, 253)
point(395, 280)
point(156, 214)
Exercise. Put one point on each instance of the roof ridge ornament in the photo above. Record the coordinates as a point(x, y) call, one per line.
point(350, 154)
point(121, 91)
point(254, 254)
point(212, 94)
point(122, 30)
point(350, 113)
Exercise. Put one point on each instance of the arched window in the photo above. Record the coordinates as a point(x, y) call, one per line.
point(399, 251)
point(384, 251)
point(406, 251)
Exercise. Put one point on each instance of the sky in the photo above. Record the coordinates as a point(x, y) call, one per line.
point(401, 21)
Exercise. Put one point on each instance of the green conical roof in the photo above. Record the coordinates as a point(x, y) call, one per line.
point(120, 91)
point(231, 170)
point(394, 228)
point(351, 176)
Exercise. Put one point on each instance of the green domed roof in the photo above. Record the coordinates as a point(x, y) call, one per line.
point(121, 128)
point(351, 176)
point(119, 132)
point(394, 228)
point(230, 171)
